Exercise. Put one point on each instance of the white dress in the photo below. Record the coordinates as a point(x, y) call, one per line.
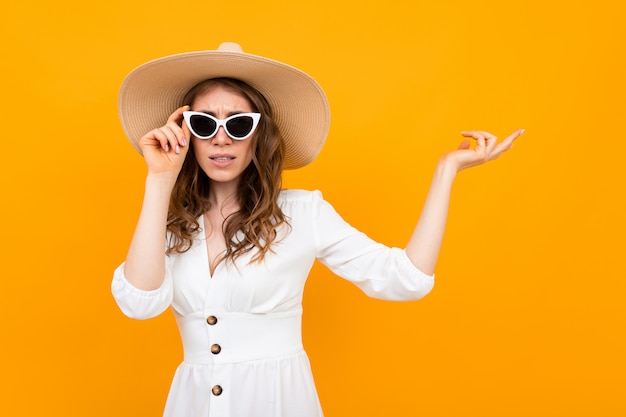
point(241, 327)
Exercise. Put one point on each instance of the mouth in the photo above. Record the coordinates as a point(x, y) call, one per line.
point(222, 158)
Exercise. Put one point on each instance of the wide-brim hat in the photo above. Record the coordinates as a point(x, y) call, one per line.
point(151, 92)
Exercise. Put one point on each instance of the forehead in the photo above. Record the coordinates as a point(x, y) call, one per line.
point(218, 96)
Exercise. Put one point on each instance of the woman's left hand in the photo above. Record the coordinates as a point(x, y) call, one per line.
point(425, 243)
point(487, 148)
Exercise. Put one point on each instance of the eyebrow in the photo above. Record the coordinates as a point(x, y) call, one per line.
point(231, 113)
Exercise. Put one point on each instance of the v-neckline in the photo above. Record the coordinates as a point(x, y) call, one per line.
point(207, 259)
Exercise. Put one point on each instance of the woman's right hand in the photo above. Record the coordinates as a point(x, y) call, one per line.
point(165, 148)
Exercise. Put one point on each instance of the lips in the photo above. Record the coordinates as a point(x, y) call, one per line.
point(221, 158)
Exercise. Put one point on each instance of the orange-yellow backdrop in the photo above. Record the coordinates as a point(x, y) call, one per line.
point(526, 318)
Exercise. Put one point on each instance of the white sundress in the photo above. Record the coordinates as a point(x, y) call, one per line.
point(241, 327)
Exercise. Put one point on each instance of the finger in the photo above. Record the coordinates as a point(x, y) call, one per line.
point(517, 133)
point(477, 135)
point(480, 140)
point(489, 138)
point(492, 141)
point(177, 116)
point(164, 136)
point(488, 135)
point(186, 134)
point(507, 143)
point(177, 124)
point(464, 145)
point(175, 136)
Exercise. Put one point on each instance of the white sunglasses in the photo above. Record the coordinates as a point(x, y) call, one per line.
point(238, 126)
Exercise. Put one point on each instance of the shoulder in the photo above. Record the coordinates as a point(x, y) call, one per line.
point(300, 202)
point(299, 196)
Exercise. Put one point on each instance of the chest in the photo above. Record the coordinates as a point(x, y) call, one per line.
point(273, 285)
point(214, 239)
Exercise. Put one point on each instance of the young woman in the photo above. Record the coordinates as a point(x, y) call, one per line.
point(228, 250)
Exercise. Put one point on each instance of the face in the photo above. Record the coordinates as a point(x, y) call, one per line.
point(220, 157)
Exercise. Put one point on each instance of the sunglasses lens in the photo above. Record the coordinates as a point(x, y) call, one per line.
point(202, 126)
point(240, 126)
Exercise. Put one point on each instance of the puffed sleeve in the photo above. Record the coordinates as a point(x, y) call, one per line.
point(380, 271)
point(140, 304)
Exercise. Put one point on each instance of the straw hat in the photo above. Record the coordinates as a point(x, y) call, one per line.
point(152, 91)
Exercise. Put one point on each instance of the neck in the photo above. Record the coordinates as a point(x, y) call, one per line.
point(223, 196)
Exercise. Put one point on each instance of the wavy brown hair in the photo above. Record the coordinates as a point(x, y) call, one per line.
point(259, 216)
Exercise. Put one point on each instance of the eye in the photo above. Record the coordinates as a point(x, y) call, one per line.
point(202, 125)
point(240, 126)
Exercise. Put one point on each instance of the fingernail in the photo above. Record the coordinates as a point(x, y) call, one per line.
point(167, 147)
point(522, 131)
point(186, 107)
point(183, 141)
point(177, 149)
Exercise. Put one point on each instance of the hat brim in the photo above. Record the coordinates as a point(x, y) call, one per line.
point(152, 91)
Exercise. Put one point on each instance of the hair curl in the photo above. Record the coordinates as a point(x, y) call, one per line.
point(259, 216)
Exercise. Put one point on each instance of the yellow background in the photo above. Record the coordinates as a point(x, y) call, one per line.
point(527, 316)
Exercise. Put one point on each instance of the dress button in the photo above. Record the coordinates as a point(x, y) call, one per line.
point(212, 320)
point(215, 349)
point(216, 390)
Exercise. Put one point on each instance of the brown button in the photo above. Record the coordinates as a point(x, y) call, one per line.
point(216, 390)
point(215, 349)
point(212, 320)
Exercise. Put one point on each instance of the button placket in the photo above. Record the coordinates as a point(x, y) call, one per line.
point(215, 349)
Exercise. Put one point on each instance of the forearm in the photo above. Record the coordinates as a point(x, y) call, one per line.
point(425, 242)
point(145, 262)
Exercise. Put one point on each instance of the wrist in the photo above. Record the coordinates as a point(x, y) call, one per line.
point(161, 181)
point(447, 168)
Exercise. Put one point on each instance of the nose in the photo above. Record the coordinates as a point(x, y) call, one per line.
point(221, 138)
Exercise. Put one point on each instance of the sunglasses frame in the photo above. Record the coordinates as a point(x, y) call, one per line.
point(221, 122)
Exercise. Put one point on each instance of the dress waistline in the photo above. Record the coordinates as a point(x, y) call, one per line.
point(226, 337)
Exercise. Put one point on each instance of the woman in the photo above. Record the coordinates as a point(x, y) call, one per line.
point(227, 249)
